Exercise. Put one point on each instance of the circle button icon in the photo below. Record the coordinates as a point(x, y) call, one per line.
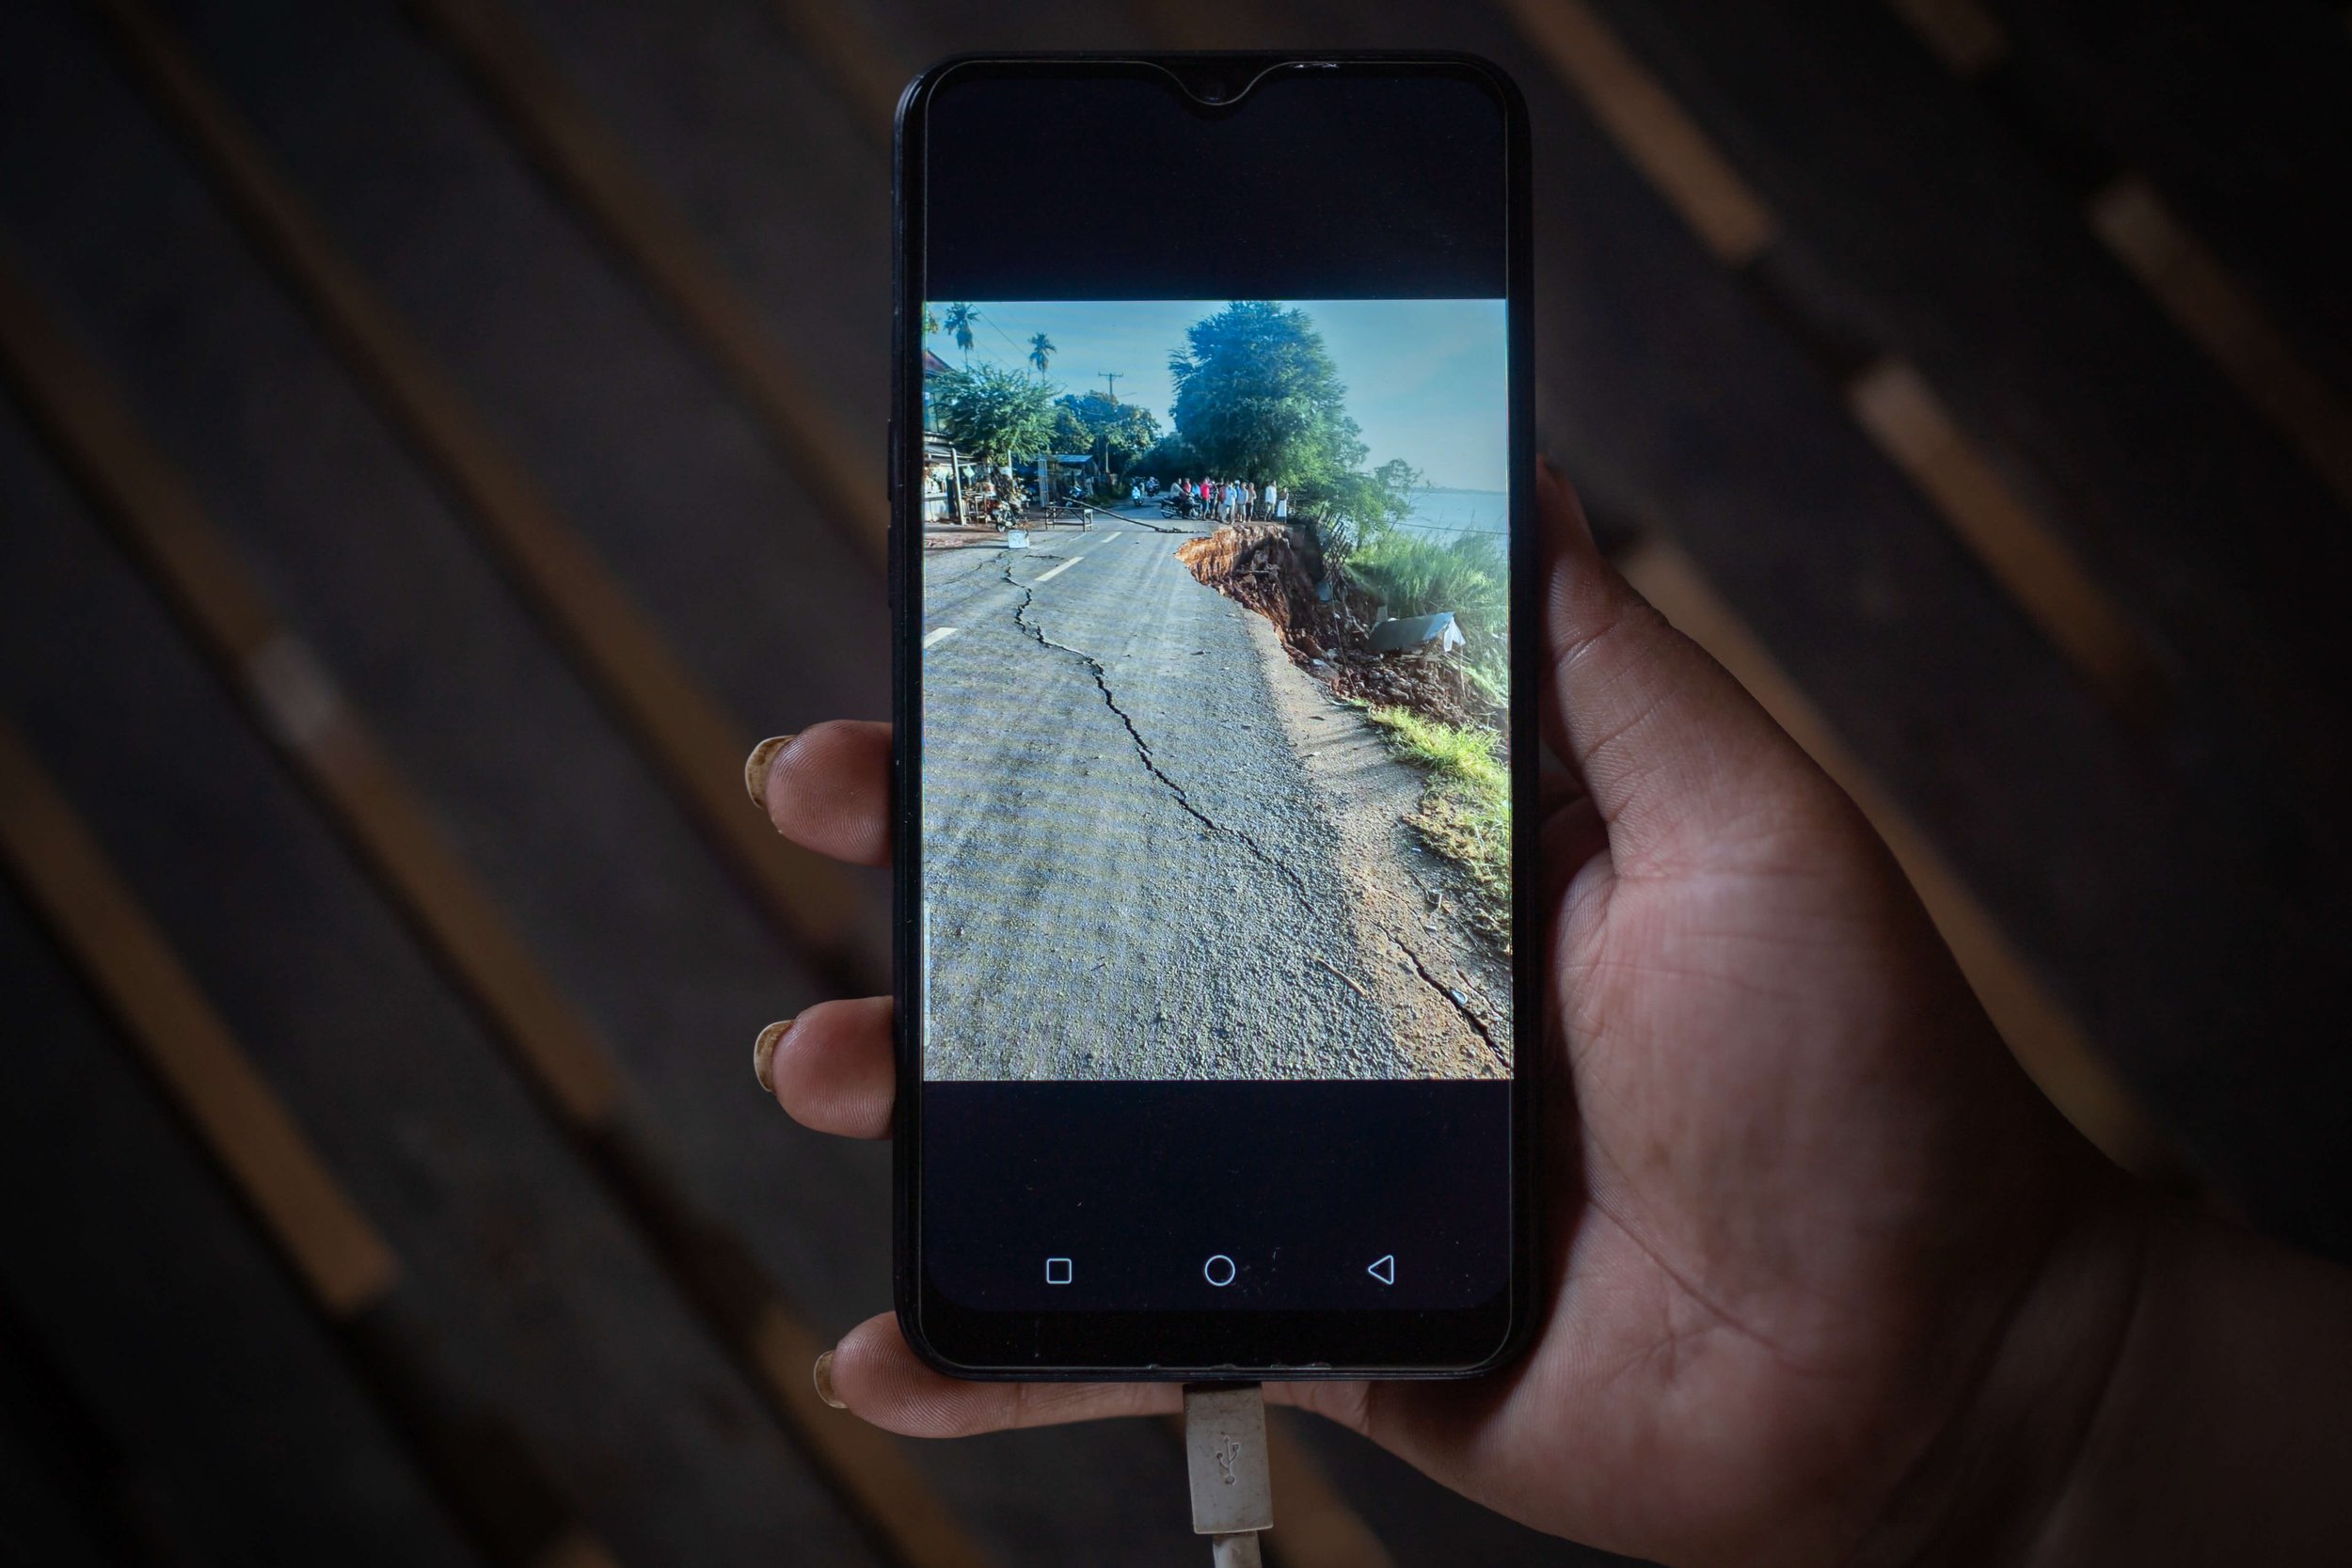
point(1218, 1271)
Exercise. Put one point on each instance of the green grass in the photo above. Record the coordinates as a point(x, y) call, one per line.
point(1417, 576)
point(1465, 812)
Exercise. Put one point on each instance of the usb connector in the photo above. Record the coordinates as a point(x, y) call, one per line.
point(1232, 1490)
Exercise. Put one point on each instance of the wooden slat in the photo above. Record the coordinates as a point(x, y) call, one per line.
point(2042, 1034)
point(2238, 113)
point(1906, 212)
point(176, 1387)
point(342, 1261)
point(1659, 138)
point(865, 1456)
point(696, 745)
point(298, 704)
point(866, 71)
point(328, 742)
point(2211, 307)
point(341, 1258)
point(1175, 25)
point(68, 1494)
point(1912, 427)
point(1891, 399)
point(718, 1273)
point(1314, 1527)
point(2196, 288)
point(1964, 34)
point(604, 183)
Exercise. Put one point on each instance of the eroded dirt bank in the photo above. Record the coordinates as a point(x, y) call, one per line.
point(1278, 571)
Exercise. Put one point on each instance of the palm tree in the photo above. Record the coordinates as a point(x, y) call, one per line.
point(1041, 350)
point(958, 321)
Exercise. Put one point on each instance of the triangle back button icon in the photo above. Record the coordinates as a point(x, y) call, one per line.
point(1385, 1270)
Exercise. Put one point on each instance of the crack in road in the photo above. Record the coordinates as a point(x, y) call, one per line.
point(1143, 747)
point(1451, 995)
point(1407, 1016)
point(951, 588)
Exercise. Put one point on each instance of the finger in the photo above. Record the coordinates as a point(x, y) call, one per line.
point(879, 1377)
point(1577, 530)
point(828, 789)
point(875, 1374)
point(834, 1067)
point(1665, 740)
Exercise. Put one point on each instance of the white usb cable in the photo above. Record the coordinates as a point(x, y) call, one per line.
point(1232, 1492)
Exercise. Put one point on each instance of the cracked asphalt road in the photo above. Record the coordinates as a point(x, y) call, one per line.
point(1125, 875)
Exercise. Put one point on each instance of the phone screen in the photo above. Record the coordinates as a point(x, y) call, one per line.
point(1209, 500)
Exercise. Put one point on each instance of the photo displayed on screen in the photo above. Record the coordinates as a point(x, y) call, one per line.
point(1215, 740)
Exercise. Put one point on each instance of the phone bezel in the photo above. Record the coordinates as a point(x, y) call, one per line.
point(1176, 1346)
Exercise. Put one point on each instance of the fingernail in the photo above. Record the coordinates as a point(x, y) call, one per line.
point(764, 1052)
point(755, 767)
point(822, 1374)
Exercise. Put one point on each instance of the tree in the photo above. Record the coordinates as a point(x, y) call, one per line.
point(1397, 480)
point(996, 414)
point(1258, 398)
point(1356, 509)
point(959, 324)
point(1168, 460)
point(1041, 350)
point(1088, 421)
point(930, 318)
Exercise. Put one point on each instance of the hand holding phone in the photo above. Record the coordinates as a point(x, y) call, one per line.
point(1813, 1245)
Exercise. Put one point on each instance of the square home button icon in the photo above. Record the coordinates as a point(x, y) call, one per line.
point(1058, 1271)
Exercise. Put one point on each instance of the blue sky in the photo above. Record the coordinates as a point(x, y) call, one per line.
point(1425, 378)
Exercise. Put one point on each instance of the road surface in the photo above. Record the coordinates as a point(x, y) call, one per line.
point(1126, 873)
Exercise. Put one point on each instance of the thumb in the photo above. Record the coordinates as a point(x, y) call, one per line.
point(1671, 748)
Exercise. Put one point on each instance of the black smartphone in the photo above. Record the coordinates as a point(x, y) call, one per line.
point(1212, 586)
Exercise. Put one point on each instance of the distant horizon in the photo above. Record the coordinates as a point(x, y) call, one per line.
point(1427, 379)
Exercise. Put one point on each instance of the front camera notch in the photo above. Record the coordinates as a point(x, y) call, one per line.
point(1218, 81)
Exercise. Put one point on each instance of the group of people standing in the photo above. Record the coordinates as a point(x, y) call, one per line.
point(1236, 500)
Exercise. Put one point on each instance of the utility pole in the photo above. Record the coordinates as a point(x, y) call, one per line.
point(1111, 377)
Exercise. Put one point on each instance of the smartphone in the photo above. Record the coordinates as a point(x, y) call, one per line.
point(1212, 560)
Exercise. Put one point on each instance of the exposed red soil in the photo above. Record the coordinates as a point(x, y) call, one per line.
point(1274, 569)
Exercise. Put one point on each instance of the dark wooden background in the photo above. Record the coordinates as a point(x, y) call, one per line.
point(442, 437)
